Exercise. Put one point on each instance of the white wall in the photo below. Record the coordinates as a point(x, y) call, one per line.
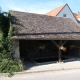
point(68, 13)
point(79, 24)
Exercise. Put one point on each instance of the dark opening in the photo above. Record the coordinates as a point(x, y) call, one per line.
point(73, 48)
point(37, 49)
point(64, 15)
point(46, 51)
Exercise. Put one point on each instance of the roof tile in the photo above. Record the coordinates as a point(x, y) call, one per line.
point(56, 11)
point(36, 26)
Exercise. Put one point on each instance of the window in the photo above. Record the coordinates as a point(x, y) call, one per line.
point(64, 15)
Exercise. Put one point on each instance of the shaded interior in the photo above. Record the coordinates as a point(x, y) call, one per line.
point(45, 50)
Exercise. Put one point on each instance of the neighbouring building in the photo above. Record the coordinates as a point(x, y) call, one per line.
point(65, 11)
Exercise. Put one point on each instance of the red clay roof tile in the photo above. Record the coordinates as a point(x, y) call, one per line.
point(56, 11)
point(77, 16)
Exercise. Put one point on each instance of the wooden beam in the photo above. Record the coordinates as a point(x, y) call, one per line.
point(55, 43)
point(64, 43)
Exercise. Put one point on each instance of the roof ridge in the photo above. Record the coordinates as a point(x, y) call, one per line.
point(56, 10)
point(11, 11)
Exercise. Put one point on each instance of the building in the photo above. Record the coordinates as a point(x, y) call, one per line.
point(65, 11)
point(37, 27)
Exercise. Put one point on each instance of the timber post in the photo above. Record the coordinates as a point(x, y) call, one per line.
point(59, 53)
point(61, 44)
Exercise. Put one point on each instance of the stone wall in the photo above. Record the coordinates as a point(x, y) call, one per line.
point(16, 52)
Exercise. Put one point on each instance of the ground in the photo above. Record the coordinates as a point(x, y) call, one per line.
point(52, 75)
point(68, 70)
point(73, 63)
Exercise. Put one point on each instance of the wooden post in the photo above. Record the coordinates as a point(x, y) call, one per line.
point(54, 42)
point(64, 43)
point(59, 53)
point(59, 50)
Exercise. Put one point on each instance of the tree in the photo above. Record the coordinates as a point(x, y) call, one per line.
point(7, 62)
point(4, 23)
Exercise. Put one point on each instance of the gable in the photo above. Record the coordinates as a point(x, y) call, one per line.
point(66, 10)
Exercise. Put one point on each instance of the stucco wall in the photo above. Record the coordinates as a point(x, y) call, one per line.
point(79, 24)
point(68, 13)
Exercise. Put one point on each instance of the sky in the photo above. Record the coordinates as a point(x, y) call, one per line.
point(38, 6)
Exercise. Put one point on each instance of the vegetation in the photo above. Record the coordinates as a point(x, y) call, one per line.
point(73, 46)
point(7, 62)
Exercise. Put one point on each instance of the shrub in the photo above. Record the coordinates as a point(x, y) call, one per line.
point(7, 62)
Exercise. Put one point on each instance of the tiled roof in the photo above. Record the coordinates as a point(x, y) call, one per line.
point(38, 26)
point(77, 16)
point(56, 11)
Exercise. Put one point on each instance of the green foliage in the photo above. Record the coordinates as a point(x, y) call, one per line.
point(7, 62)
point(1, 35)
point(11, 31)
point(42, 47)
point(73, 46)
point(10, 65)
point(4, 23)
